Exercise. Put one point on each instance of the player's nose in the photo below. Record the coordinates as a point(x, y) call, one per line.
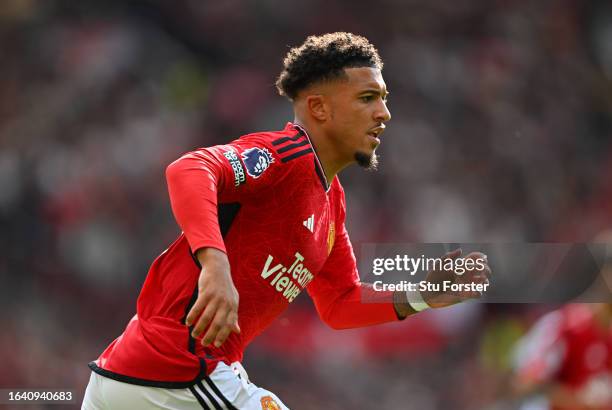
point(382, 113)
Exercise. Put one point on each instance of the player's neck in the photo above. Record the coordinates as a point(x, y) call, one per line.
point(325, 151)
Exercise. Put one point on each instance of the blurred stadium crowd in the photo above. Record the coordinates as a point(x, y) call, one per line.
point(501, 133)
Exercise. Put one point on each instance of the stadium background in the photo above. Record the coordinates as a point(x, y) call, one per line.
point(501, 133)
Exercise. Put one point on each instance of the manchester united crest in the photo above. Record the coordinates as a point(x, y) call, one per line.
point(331, 237)
point(268, 403)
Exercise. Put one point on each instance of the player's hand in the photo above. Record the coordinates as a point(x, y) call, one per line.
point(216, 307)
point(479, 274)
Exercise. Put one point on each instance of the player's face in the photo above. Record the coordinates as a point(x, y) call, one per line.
point(358, 111)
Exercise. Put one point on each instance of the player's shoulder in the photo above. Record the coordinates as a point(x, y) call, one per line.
point(279, 151)
point(284, 145)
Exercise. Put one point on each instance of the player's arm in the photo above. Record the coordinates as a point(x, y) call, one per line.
point(194, 182)
point(217, 302)
point(341, 299)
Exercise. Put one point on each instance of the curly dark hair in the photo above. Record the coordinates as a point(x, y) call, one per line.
point(323, 58)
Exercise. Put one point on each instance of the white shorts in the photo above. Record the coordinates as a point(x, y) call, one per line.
point(226, 388)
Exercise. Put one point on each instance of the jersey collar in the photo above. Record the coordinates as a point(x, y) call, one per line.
point(317, 161)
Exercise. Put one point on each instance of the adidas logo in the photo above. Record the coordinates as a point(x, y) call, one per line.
point(309, 223)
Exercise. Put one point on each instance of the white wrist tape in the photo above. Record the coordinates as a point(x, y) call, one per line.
point(415, 300)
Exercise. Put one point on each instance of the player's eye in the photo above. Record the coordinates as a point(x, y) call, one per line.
point(367, 98)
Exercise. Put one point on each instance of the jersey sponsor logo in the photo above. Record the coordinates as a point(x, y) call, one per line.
point(239, 177)
point(256, 161)
point(268, 403)
point(309, 223)
point(288, 281)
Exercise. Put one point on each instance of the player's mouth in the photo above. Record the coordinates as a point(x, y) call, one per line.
point(375, 133)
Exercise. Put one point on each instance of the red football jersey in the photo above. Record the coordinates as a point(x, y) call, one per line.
point(571, 348)
point(264, 200)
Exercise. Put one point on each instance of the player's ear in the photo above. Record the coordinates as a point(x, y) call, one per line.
point(315, 104)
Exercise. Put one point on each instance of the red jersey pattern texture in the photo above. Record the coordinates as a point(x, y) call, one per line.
point(263, 199)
